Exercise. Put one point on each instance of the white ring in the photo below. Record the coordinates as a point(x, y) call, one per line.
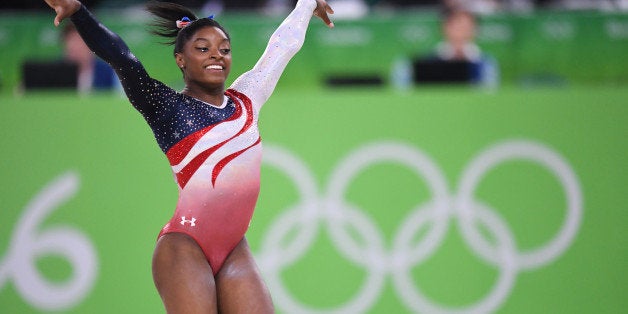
point(360, 159)
point(544, 156)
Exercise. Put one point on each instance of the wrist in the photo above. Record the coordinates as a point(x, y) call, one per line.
point(76, 5)
point(310, 4)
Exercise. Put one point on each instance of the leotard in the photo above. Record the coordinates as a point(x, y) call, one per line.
point(215, 151)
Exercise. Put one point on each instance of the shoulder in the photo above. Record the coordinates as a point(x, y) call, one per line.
point(152, 96)
point(232, 92)
point(237, 95)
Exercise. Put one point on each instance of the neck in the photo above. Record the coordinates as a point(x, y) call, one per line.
point(213, 96)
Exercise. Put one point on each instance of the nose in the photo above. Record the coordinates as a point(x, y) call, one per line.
point(215, 54)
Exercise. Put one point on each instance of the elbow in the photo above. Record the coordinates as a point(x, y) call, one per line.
point(290, 40)
point(124, 58)
point(288, 48)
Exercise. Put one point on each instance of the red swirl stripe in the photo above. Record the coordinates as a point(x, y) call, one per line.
point(181, 151)
point(223, 162)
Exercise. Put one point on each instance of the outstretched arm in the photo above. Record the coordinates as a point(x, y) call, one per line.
point(109, 47)
point(259, 83)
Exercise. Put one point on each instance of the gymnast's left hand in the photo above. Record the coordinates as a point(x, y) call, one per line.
point(322, 10)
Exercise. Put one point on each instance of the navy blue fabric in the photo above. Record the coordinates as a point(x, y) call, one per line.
point(171, 115)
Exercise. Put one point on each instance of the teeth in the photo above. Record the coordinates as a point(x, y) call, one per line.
point(214, 67)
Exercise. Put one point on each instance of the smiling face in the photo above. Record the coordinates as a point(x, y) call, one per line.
point(205, 59)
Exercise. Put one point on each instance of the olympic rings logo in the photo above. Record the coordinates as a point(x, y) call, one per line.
point(331, 210)
point(28, 244)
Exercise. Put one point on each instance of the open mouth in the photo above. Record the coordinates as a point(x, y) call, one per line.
point(214, 67)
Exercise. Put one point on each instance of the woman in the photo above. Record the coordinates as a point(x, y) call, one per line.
point(202, 263)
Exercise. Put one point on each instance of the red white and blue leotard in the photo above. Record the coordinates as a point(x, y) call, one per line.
point(215, 151)
point(217, 169)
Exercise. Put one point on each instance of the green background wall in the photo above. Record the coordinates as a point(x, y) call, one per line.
point(564, 167)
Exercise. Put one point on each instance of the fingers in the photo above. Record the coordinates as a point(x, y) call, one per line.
point(329, 10)
point(64, 9)
point(322, 11)
point(58, 20)
point(60, 16)
point(326, 20)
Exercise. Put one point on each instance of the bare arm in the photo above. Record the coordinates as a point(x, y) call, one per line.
point(259, 83)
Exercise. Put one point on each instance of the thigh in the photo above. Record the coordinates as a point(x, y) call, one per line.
point(183, 276)
point(240, 286)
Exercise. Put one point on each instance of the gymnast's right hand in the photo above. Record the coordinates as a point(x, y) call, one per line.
point(64, 8)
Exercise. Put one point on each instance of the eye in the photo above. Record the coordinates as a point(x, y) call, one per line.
point(225, 51)
point(202, 49)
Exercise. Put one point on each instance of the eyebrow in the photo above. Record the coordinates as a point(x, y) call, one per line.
point(207, 40)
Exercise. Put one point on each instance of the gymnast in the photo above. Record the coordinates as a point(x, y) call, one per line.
point(202, 262)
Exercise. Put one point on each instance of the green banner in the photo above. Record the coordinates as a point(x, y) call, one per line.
point(430, 201)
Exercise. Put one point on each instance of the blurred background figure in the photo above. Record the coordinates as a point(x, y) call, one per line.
point(77, 68)
point(457, 58)
point(92, 73)
point(459, 29)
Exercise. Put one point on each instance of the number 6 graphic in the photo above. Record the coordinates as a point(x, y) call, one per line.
point(28, 244)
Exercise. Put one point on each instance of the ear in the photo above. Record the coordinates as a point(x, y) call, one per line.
point(178, 57)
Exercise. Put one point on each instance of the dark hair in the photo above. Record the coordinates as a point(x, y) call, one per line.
point(450, 11)
point(165, 24)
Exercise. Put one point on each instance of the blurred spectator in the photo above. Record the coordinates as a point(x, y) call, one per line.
point(457, 58)
point(93, 73)
point(78, 68)
point(458, 27)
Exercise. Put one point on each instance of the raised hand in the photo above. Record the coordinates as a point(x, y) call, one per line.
point(322, 10)
point(63, 8)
